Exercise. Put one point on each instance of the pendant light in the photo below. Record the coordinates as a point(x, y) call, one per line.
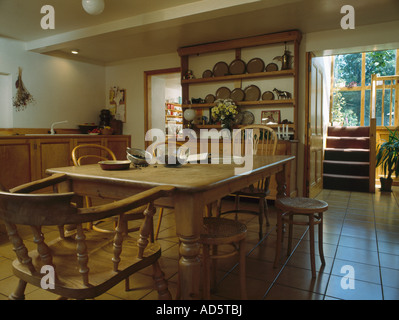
point(93, 7)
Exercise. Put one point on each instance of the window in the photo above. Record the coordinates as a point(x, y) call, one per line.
point(351, 85)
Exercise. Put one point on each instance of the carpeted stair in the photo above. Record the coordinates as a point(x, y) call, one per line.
point(346, 159)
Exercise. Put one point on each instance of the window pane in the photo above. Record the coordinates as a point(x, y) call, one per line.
point(348, 70)
point(380, 62)
point(346, 104)
point(378, 106)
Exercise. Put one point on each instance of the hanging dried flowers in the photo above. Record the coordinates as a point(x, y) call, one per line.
point(23, 97)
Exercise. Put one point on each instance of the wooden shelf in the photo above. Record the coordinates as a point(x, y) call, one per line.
point(270, 74)
point(280, 103)
point(218, 126)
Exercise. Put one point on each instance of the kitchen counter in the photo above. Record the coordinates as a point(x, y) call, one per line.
point(25, 158)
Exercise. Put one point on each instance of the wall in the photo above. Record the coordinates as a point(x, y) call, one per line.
point(62, 89)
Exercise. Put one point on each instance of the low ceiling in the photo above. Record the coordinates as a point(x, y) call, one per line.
point(136, 28)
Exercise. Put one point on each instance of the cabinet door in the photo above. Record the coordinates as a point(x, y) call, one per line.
point(53, 153)
point(15, 162)
point(118, 145)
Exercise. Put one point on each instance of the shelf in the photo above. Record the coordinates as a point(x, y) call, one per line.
point(271, 74)
point(218, 126)
point(280, 103)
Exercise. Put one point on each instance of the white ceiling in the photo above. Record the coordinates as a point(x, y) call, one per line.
point(135, 28)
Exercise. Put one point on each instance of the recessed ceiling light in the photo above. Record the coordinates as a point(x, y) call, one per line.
point(93, 7)
point(75, 51)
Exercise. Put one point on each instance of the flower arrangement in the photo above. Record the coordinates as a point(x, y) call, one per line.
point(224, 111)
point(22, 97)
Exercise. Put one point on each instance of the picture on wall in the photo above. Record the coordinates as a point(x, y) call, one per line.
point(117, 101)
point(270, 117)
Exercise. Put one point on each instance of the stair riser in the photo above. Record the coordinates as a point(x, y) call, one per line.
point(359, 143)
point(335, 183)
point(346, 169)
point(348, 131)
point(339, 155)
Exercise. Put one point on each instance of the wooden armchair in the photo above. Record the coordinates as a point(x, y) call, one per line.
point(89, 264)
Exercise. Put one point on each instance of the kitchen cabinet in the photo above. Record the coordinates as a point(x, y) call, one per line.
point(26, 158)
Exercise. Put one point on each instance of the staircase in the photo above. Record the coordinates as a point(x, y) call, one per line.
point(346, 159)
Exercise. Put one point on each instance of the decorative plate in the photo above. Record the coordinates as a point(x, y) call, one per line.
point(237, 67)
point(115, 165)
point(237, 94)
point(252, 93)
point(223, 93)
point(210, 98)
point(271, 67)
point(220, 69)
point(248, 118)
point(207, 74)
point(239, 117)
point(268, 95)
point(255, 65)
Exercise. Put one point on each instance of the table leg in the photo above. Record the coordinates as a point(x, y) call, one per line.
point(188, 214)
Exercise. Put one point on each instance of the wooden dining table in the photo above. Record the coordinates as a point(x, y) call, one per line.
point(197, 185)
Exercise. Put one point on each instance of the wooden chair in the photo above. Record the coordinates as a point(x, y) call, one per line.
point(313, 209)
point(93, 153)
point(89, 264)
point(217, 232)
point(264, 141)
point(163, 204)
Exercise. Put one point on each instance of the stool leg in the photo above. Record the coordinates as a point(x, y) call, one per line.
point(290, 227)
point(311, 242)
point(321, 252)
point(243, 280)
point(206, 287)
point(260, 217)
point(279, 237)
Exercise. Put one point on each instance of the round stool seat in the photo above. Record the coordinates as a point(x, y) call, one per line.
point(221, 231)
point(301, 205)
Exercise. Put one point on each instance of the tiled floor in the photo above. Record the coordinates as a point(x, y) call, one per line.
point(361, 234)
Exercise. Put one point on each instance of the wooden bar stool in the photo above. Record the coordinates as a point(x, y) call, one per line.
point(300, 206)
point(219, 231)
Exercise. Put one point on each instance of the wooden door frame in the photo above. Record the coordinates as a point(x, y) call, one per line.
point(147, 91)
point(306, 182)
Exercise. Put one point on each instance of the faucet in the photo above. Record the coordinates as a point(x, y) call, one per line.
point(54, 123)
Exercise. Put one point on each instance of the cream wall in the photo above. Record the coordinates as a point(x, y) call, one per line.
point(62, 89)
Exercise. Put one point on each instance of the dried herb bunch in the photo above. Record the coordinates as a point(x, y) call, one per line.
point(23, 97)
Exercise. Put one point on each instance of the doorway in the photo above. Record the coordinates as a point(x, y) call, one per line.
point(162, 92)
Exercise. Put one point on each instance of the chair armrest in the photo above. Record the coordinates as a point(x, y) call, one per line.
point(40, 184)
point(124, 205)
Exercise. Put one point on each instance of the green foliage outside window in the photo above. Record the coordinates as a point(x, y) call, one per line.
point(348, 74)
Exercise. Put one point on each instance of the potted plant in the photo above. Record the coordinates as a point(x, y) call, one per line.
point(388, 158)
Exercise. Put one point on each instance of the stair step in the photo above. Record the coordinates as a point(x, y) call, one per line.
point(339, 154)
point(348, 131)
point(354, 168)
point(345, 182)
point(348, 142)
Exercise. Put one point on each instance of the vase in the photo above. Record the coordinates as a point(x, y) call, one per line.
point(386, 184)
